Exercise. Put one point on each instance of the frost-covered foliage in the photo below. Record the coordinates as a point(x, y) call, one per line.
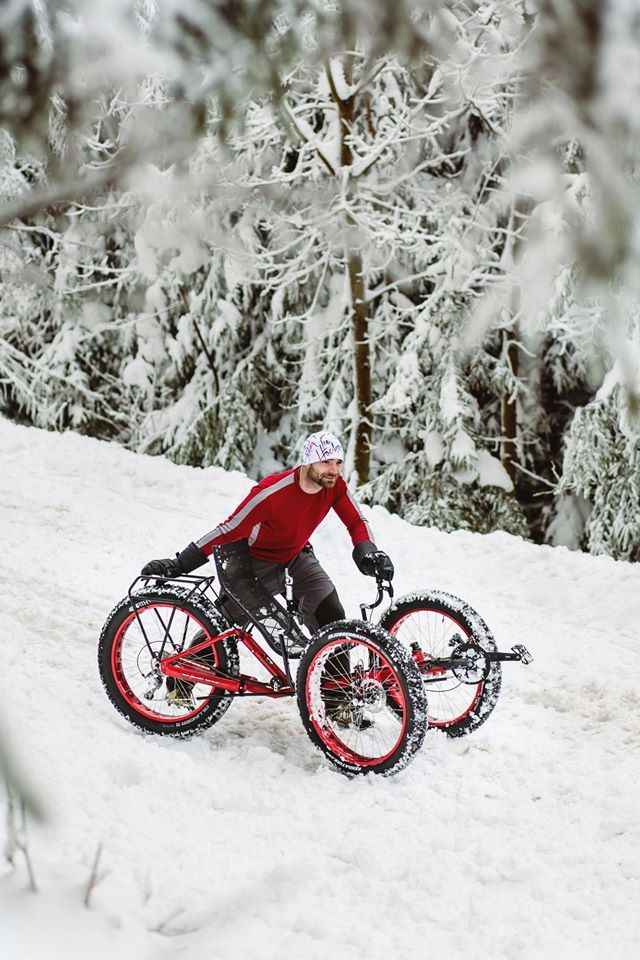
point(60, 350)
point(602, 466)
point(376, 225)
point(448, 477)
point(379, 241)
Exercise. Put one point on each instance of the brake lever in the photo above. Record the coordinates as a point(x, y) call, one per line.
point(383, 587)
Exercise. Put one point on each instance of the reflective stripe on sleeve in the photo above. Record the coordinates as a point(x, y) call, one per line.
point(224, 529)
point(254, 534)
point(355, 505)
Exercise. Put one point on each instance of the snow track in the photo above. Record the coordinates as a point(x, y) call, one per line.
point(521, 841)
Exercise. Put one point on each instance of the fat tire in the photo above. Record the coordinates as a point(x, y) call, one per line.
point(473, 624)
point(211, 620)
point(410, 679)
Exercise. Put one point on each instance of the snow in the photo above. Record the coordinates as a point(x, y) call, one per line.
point(491, 473)
point(519, 842)
point(138, 373)
point(567, 527)
point(463, 448)
point(433, 447)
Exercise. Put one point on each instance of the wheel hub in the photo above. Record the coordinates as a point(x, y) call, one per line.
point(369, 694)
point(148, 663)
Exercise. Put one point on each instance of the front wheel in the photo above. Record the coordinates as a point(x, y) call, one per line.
point(361, 698)
point(431, 625)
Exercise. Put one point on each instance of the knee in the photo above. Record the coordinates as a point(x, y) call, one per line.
point(329, 609)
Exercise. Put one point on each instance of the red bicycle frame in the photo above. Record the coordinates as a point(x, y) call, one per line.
point(182, 667)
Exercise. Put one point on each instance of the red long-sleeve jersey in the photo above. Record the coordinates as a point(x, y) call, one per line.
point(278, 517)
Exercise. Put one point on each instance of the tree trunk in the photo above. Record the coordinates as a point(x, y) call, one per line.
point(509, 424)
point(362, 367)
point(360, 311)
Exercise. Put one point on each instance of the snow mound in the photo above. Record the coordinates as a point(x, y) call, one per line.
point(520, 842)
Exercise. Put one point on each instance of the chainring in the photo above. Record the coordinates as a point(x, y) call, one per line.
point(477, 667)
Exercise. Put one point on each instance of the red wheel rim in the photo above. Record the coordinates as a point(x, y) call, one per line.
point(450, 701)
point(131, 660)
point(387, 709)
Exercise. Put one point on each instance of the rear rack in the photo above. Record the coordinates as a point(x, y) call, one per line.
point(199, 584)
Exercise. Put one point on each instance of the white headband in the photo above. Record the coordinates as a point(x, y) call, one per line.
point(321, 446)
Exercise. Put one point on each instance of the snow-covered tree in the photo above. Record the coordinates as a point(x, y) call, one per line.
point(599, 491)
point(277, 216)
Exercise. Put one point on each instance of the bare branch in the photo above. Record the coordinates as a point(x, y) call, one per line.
point(94, 879)
point(305, 138)
point(332, 85)
point(16, 841)
point(67, 193)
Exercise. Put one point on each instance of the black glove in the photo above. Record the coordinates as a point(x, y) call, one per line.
point(169, 567)
point(371, 561)
point(378, 565)
point(187, 560)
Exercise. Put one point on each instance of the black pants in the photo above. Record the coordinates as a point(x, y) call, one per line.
point(312, 588)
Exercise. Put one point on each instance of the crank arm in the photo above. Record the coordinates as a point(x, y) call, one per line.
point(475, 666)
point(444, 664)
point(519, 654)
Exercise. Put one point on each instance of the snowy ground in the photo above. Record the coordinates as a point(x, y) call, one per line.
point(520, 842)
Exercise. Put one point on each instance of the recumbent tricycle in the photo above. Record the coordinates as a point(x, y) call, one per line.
point(367, 693)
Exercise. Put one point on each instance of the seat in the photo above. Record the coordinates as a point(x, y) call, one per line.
point(245, 600)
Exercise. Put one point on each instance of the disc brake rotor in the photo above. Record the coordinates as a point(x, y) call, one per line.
point(369, 694)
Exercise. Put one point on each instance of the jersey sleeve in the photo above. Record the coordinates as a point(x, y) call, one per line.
point(351, 515)
point(242, 523)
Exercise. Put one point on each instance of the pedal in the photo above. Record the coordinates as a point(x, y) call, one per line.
point(522, 653)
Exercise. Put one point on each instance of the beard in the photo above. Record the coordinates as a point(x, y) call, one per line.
point(319, 478)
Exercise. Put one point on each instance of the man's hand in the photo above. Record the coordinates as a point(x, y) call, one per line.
point(169, 567)
point(187, 560)
point(378, 565)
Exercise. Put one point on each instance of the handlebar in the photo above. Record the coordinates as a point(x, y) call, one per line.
point(383, 586)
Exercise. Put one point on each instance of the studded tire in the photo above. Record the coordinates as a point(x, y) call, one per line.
point(125, 661)
point(360, 669)
point(433, 620)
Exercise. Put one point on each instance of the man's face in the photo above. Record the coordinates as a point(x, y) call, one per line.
point(325, 472)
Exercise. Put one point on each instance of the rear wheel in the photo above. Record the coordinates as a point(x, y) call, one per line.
point(361, 698)
point(142, 630)
point(438, 622)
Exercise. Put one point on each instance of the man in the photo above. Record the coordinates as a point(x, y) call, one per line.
point(277, 518)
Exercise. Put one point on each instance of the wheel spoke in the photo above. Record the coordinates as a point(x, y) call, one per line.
point(351, 706)
point(135, 662)
point(449, 699)
point(437, 628)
